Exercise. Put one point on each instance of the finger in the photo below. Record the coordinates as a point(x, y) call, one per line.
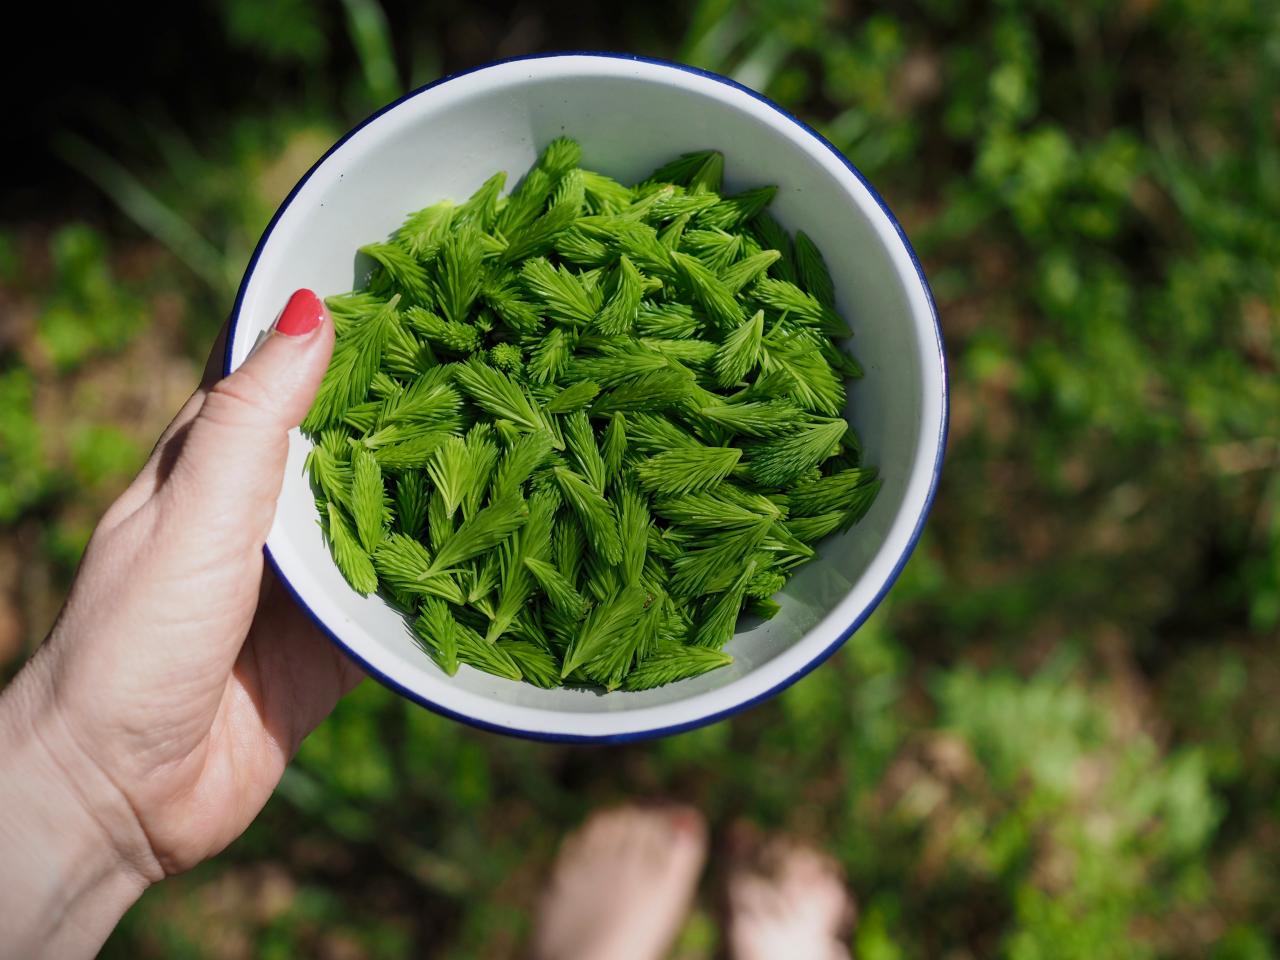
point(232, 454)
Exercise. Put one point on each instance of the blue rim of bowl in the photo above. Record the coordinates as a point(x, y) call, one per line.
point(858, 621)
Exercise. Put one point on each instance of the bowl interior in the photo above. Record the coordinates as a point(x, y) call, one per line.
point(629, 116)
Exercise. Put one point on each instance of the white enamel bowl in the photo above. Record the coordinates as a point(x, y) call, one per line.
point(630, 115)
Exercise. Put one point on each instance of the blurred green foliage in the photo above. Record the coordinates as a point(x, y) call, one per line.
point(88, 314)
point(21, 446)
point(1058, 739)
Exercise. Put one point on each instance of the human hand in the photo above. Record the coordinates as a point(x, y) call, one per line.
point(153, 724)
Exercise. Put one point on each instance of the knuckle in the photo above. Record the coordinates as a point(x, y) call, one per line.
point(244, 397)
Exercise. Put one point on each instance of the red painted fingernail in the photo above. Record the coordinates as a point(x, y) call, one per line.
point(302, 314)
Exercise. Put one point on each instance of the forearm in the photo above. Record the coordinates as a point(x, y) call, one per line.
point(63, 880)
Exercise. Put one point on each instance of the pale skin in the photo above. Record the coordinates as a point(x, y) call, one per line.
point(634, 869)
point(623, 884)
point(152, 725)
point(154, 722)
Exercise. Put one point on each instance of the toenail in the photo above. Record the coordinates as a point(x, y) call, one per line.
point(684, 820)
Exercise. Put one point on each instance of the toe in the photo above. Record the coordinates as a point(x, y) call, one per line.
point(804, 864)
point(752, 896)
point(630, 874)
point(689, 825)
point(608, 831)
point(813, 865)
point(684, 835)
point(813, 883)
point(640, 834)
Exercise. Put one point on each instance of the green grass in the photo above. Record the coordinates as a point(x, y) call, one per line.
point(1056, 739)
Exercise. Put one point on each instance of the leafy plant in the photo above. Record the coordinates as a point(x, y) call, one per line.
point(1057, 739)
point(90, 313)
point(427, 402)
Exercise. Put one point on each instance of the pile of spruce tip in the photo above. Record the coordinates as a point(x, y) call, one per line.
point(575, 432)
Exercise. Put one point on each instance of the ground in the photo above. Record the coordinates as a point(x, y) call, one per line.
point(1057, 737)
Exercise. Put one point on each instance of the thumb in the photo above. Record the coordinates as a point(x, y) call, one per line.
point(231, 462)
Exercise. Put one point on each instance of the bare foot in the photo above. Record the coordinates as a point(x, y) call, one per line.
point(785, 900)
point(622, 885)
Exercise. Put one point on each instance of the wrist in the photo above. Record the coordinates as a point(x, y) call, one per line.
point(66, 874)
